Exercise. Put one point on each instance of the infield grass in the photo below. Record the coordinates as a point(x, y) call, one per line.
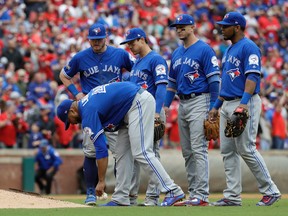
point(248, 209)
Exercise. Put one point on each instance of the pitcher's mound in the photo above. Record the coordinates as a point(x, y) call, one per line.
point(20, 199)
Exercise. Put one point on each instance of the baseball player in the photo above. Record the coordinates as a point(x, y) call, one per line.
point(194, 75)
point(128, 108)
point(241, 65)
point(97, 65)
point(48, 161)
point(150, 71)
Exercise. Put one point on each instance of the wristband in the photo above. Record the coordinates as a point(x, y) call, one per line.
point(73, 89)
point(245, 98)
point(218, 103)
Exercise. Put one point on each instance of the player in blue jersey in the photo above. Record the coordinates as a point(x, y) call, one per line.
point(240, 85)
point(150, 71)
point(48, 161)
point(194, 75)
point(97, 65)
point(128, 108)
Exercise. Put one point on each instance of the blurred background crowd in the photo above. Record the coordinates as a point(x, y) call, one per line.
point(39, 37)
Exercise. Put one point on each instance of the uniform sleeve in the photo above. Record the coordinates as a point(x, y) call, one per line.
point(101, 147)
point(71, 69)
point(129, 60)
point(210, 63)
point(92, 126)
point(252, 62)
point(57, 159)
point(160, 70)
point(172, 77)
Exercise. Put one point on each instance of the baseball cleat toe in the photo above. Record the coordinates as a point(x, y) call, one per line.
point(192, 202)
point(268, 200)
point(169, 201)
point(225, 202)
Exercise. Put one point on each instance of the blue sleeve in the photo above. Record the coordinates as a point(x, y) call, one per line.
point(57, 160)
point(253, 77)
point(170, 94)
point(101, 147)
point(160, 96)
point(214, 92)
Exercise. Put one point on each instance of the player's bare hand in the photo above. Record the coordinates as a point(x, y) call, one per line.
point(79, 96)
point(100, 188)
point(166, 109)
point(213, 115)
point(243, 106)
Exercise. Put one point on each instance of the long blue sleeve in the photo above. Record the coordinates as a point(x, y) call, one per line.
point(160, 96)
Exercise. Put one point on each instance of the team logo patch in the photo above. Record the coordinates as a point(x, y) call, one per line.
point(214, 61)
point(87, 131)
point(67, 67)
point(192, 76)
point(233, 73)
point(160, 70)
point(253, 60)
point(110, 127)
point(97, 30)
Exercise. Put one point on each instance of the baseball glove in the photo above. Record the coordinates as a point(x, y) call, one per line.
point(159, 129)
point(211, 129)
point(237, 123)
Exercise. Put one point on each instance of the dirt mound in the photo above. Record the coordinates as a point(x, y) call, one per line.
point(19, 199)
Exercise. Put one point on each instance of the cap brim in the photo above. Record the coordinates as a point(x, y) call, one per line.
point(176, 24)
point(126, 41)
point(96, 37)
point(224, 23)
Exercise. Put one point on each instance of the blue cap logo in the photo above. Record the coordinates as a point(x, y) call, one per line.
point(233, 19)
point(183, 19)
point(179, 18)
point(133, 34)
point(97, 31)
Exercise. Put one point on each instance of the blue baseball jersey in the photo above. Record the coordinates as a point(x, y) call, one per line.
point(48, 159)
point(192, 66)
point(98, 69)
point(149, 71)
point(105, 107)
point(238, 61)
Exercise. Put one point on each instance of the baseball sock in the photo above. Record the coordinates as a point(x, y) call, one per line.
point(90, 172)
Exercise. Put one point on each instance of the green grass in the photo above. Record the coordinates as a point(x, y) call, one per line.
point(248, 209)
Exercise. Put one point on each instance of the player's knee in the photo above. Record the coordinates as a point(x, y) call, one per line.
point(90, 154)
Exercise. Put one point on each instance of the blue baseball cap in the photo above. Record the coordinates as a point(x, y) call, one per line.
point(183, 19)
point(133, 34)
point(97, 31)
point(62, 111)
point(233, 19)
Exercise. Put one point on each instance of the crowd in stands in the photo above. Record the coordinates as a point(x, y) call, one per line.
point(38, 38)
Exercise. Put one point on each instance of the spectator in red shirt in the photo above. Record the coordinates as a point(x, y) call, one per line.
point(64, 138)
point(10, 124)
point(268, 23)
point(279, 125)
